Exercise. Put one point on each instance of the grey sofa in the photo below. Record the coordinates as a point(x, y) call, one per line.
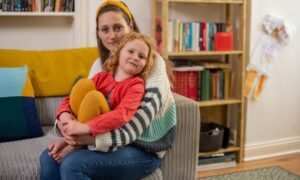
point(19, 160)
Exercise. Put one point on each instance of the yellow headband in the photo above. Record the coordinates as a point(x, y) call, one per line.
point(115, 3)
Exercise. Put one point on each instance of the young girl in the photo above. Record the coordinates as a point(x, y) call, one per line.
point(120, 87)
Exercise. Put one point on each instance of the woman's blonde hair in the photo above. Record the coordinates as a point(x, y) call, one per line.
point(112, 62)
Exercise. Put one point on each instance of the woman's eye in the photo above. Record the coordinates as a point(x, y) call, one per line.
point(104, 30)
point(118, 28)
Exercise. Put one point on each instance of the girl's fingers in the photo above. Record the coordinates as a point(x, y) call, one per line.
point(50, 147)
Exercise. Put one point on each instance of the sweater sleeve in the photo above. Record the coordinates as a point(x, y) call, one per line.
point(122, 113)
point(156, 94)
point(64, 107)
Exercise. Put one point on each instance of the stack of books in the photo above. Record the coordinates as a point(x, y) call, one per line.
point(216, 162)
point(186, 81)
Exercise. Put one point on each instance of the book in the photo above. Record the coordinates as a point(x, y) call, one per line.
point(176, 34)
point(226, 83)
point(158, 34)
point(205, 85)
point(215, 65)
point(180, 85)
point(213, 166)
point(199, 86)
point(217, 159)
point(216, 162)
point(192, 85)
point(170, 36)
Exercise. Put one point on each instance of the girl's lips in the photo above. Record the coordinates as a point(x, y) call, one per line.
point(133, 64)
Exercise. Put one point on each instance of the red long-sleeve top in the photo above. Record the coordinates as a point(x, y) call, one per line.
point(125, 99)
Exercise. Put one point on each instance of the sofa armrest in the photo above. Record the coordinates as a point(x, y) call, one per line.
point(181, 161)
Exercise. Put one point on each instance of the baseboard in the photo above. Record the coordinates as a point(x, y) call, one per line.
point(272, 149)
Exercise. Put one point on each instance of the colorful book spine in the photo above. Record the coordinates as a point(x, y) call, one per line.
point(206, 86)
point(193, 85)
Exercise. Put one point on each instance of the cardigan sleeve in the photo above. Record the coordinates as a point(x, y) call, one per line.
point(96, 67)
point(157, 92)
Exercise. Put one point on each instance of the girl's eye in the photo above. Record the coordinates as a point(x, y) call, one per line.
point(142, 56)
point(130, 51)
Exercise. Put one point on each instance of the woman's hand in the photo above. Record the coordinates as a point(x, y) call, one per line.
point(84, 140)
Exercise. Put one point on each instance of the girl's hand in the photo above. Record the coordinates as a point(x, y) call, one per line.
point(63, 118)
point(72, 128)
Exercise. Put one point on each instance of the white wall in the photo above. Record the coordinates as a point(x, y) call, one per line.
point(273, 122)
point(36, 32)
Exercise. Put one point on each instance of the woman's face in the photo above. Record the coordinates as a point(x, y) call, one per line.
point(111, 27)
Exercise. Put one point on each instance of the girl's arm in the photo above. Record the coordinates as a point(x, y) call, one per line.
point(121, 114)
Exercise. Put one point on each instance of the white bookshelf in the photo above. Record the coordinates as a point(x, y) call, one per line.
point(32, 14)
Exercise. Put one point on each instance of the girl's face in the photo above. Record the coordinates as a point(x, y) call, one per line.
point(133, 58)
point(111, 27)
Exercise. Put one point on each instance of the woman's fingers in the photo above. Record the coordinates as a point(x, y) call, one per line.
point(71, 140)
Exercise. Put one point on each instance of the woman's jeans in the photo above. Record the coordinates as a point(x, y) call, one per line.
point(129, 162)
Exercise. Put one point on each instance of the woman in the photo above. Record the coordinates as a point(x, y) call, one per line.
point(133, 151)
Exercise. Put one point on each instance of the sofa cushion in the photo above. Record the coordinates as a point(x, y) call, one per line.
point(53, 72)
point(18, 115)
point(20, 159)
point(46, 108)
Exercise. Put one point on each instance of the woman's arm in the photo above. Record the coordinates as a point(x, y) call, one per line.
point(155, 104)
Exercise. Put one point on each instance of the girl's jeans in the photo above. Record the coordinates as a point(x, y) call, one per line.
point(129, 162)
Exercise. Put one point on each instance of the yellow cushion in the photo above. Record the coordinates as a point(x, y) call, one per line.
point(54, 72)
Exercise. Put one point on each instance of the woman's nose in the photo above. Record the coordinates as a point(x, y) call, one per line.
point(113, 35)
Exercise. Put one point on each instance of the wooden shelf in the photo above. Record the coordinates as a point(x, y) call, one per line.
point(203, 53)
point(37, 14)
point(219, 102)
point(220, 110)
point(222, 150)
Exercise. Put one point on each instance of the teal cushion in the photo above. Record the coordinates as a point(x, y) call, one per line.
point(18, 114)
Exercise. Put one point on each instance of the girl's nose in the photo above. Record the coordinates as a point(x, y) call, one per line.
point(135, 57)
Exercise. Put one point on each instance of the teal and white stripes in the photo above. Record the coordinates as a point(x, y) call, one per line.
point(153, 126)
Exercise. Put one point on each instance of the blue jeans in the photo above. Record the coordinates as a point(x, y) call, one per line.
point(129, 162)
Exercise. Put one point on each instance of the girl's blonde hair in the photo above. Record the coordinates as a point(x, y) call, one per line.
point(112, 62)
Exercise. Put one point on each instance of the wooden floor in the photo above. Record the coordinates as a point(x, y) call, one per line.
point(288, 162)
